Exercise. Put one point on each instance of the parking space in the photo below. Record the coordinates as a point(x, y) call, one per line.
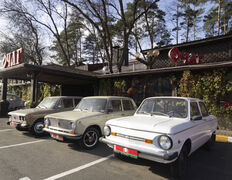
point(26, 157)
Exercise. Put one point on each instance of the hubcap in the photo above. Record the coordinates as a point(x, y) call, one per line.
point(90, 138)
point(38, 128)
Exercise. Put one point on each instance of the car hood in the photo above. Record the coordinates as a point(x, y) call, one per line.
point(73, 115)
point(24, 112)
point(157, 124)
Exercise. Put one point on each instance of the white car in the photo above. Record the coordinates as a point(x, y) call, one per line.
point(163, 129)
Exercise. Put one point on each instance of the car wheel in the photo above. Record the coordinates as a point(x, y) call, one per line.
point(37, 128)
point(90, 138)
point(179, 168)
point(210, 143)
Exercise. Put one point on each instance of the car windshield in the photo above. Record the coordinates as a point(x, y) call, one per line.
point(48, 103)
point(92, 104)
point(171, 107)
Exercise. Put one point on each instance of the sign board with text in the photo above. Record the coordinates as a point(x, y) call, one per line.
point(13, 58)
point(187, 58)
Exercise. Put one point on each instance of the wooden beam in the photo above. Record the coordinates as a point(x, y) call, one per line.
point(34, 87)
point(4, 89)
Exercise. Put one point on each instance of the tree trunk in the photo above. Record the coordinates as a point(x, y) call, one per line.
point(177, 23)
point(194, 31)
point(219, 17)
point(224, 26)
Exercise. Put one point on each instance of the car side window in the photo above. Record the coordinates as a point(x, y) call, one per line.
point(204, 110)
point(194, 110)
point(66, 103)
point(127, 105)
point(115, 105)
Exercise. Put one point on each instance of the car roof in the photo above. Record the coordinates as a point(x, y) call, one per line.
point(79, 97)
point(108, 97)
point(176, 97)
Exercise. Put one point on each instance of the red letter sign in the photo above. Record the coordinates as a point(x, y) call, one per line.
point(13, 58)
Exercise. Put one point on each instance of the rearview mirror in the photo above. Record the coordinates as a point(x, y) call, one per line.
point(195, 118)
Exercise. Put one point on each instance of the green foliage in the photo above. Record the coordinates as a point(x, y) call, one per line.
point(71, 41)
point(211, 86)
point(119, 87)
point(44, 90)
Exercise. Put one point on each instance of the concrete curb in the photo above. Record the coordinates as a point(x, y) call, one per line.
point(223, 138)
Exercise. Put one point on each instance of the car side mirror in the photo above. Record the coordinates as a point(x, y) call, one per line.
point(109, 111)
point(195, 118)
point(59, 107)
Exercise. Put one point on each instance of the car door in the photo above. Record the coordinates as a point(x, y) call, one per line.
point(197, 132)
point(207, 120)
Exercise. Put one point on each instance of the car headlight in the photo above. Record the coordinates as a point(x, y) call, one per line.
point(73, 125)
point(165, 142)
point(107, 130)
point(46, 122)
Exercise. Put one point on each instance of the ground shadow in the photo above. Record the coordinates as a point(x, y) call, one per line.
point(27, 133)
point(203, 164)
point(101, 150)
point(215, 164)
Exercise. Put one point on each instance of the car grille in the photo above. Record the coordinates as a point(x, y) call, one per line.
point(16, 118)
point(130, 137)
point(61, 123)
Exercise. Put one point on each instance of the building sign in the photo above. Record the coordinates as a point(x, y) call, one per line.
point(13, 58)
point(187, 58)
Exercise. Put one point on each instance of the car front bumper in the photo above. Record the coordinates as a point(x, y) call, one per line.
point(17, 123)
point(164, 157)
point(62, 132)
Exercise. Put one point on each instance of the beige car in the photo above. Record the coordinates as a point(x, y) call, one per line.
point(86, 122)
point(33, 119)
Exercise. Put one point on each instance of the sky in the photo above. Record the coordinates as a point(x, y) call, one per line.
point(165, 5)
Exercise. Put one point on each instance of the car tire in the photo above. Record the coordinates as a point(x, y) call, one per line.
point(19, 128)
point(179, 168)
point(90, 138)
point(37, 128)
point(210, 143)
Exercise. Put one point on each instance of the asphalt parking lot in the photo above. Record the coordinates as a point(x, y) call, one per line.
point(25, 157)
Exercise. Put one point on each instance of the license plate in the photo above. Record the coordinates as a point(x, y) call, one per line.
point(56, 136)
point(126, 151)
point(13, 124)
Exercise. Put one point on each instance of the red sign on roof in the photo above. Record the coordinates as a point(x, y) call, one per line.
point(13, 58)
point(187, 58)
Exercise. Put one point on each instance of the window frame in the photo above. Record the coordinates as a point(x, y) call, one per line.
point(191, 102)
point(201, 102)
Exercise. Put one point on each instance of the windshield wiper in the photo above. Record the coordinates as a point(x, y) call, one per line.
point(144, 112)
point(159, 113)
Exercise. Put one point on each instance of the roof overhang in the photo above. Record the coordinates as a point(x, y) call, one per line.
point(49, 73)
